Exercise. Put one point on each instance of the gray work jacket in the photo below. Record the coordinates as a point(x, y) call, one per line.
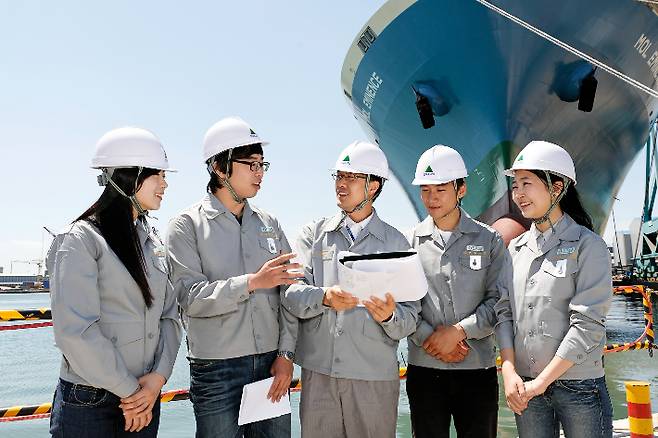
point(556, 301)
point(463, 288)
point(348, 344)
point(107, 335)
point(210, 255)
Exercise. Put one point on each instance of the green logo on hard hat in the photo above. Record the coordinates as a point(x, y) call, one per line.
point(520, 158)
point(346, 159)
point(252, 133)
point(429, 171)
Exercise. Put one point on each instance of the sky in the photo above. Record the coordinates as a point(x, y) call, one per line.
point(71, 71)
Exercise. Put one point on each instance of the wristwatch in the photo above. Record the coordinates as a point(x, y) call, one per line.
point(287, 355)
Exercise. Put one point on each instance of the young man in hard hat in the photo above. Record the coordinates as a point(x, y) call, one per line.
point(452, 365)
point(228, 260)
point(348, 354)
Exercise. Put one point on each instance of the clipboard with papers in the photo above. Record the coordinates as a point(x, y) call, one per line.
point(398, 273)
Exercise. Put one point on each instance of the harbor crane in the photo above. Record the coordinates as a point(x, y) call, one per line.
point(37, 262)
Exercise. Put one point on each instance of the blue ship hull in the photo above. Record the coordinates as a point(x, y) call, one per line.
point(502, 86)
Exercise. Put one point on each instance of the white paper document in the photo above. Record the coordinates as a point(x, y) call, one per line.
point(255, 406)
point(398, 273)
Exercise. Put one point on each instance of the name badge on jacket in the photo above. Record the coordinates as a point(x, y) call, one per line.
point(271, 245)
point(561, 268)
point(475, 262)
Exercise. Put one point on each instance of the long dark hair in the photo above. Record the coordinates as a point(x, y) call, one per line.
point(112, 215)
point(221, 159)
point(570, 202)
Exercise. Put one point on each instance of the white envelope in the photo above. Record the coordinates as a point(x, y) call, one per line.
point(255, 406)
point(398, 273)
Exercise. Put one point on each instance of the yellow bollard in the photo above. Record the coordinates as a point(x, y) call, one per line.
point(638, 398)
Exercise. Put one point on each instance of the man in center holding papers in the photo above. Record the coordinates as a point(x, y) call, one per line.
point(348, 353)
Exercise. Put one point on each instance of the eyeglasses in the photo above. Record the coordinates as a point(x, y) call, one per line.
point(347, 177)
point(255, 166)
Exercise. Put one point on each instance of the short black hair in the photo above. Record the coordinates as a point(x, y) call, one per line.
point(222, 161)
point(459, 183)
point(380, 180)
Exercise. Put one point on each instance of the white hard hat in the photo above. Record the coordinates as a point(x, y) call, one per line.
point(228, 133)
point(130, 147)
point(439, 165)
point(362, 157)
point(542, 155)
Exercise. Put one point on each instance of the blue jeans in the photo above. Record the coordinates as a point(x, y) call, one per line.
point(581, 407)
point(216, 392)
point(81, 411)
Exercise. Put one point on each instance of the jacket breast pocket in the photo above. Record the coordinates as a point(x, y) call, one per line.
point(475, 263)
point(469, 285)
point(271, 245)
point(560, 268)
point(558, 277)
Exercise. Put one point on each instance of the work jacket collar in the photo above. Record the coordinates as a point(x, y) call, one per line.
point(374, 227)
point(465, 225)
point(213, 207)
point(566, 230)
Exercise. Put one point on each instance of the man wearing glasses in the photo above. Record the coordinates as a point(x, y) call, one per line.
point(227, 261)
point(348, 354)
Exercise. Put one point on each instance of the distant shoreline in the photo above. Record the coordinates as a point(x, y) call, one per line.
point(24, 291)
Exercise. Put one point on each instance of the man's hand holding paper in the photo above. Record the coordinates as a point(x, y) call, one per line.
point(338, 299)
point(380, 310)
point(399, 274)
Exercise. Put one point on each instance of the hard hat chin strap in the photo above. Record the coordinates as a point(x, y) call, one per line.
point(363, 203)
point(225, 182)
point(234, 194)
point(107, 178)
point(555, 199)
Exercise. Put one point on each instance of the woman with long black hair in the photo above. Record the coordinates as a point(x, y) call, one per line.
point(552, 313)
point(114, 312)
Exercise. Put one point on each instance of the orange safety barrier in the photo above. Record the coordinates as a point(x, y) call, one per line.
point(4, 327)
point(647, 308)
point(18, 314)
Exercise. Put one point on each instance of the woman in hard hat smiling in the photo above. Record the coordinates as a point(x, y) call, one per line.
point(554, 316)
point(452, 367)
point(115, 316)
